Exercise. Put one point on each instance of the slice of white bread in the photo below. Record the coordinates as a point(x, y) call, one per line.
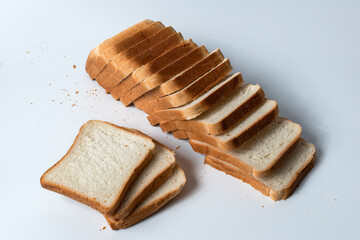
point(154, 202)
point(223, 115)
point(260, 153)
point(152, 177)
point(112, 67)
point(193, 90)
point(245, 129)
point(152, 67)
point(100, 166)
point(182, 79)
point(164, 75)
point(285, 176)
point(200, 104)
point(100, 56)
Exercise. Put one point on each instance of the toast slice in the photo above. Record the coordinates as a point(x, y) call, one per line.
point(100, 56)
point(245, 129)
point(100, 166)
point(117, 61)
point(200, 104)
point(152, 67)
point(164, 75)
point(260, 153)
point(193, 90)
point(181, 80)
point(154, 202)
point(152, 177)
point(285, 177)
point(223, 115)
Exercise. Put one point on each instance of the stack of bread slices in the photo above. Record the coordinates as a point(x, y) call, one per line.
point(193, 93)
point(120, 172)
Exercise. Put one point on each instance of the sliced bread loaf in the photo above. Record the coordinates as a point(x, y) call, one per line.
point(129, 53)
point(152, 67)
point(100, 166)
point(100, 56)
point(285, 176)
point(182, 79)
point(245, 129)
point(154, 202)
point(191, 91)
point(260, 153)
point(200, 104)
point(223, 115)
point(164, 75)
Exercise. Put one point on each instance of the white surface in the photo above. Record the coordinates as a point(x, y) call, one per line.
point(305, 55)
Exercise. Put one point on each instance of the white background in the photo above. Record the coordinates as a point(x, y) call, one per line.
point(305, 55)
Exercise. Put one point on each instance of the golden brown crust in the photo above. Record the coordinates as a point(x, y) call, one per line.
point(85, 199)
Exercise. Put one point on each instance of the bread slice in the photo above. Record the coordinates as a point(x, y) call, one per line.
point(241, 132)
point(284, 178)
point(154, 202)
point(164, 75)
point(193, 90)
point(182, 79)
point(152, 177)
point(200, 104)
point(152, 67)
point(223, 115)
point(111, 68)
point(260, 153)
point(100, 56)
point(100, 166)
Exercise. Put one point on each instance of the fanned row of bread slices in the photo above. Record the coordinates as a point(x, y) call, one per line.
point(120, 172)
point(193, 94)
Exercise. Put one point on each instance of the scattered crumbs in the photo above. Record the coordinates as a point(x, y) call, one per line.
point(27, 52)
point(125, 145)
point(60, 102)
point(53, 100)
point(177, 147)
point(104, 228)
point(77, 83)
point(262, 206)
point(74, 66)
point(335, 199)
point(31, 103)
point(116, 111)
point(76, 92)
point(73, 105)
point(49, 84)
point(68, 95)
point(87, 91)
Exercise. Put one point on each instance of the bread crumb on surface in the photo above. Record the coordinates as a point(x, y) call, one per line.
point(335, 199)
point(177, 147)
point(53, 100)
point(74, 66)
point(262, 206)
point(76, 92)
point(73, 105)
point(27, 52)
point(49, 84)
point(31, 103)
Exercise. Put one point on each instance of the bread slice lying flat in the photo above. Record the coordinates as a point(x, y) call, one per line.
point(285, 176)
point(223, 115)
point(101, 55)
point(182, 79)
point(164, 75)
point(245, 129)
point(111, 68)
point(200, 104)
point(152, 67)
point(152, 177)
point(260, 153)
point(100, 166)
point(190, 92)
point(154, 202)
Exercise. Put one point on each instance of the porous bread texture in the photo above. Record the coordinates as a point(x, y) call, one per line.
point(223, 115)
point(100, 166)
point(182, 79)
point(260, 153)
point(284, 178)
point(199, 105)
point(100, 56)
point(153, 175)
point(154, 202)
point(152, 67)
point(246, 128)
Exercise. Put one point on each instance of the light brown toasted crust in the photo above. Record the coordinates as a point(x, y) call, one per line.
point(198, 87)
point(152, 67)
point(85, 199)
point(98, 59)
point(181, 80)
point(164, 75)
point(110, 76)
point(194, 111)
point(236, 141)
point(219, 127)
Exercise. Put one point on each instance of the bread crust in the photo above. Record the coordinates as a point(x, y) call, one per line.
point(195, 110)
point(85, 199)
point(219, 127)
